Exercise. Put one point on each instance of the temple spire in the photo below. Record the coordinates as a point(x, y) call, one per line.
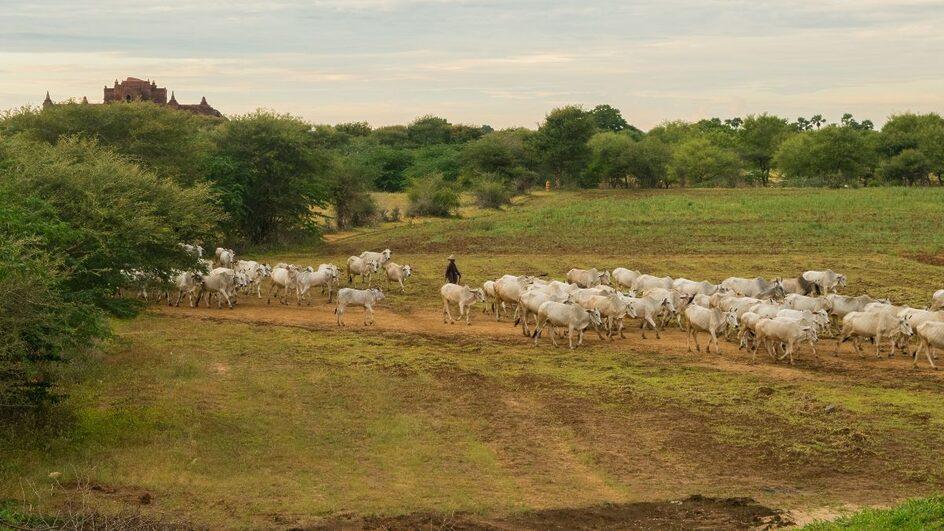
point(48, 101)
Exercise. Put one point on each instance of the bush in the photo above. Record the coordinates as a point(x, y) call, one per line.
point(491, 193)
point(432, 196)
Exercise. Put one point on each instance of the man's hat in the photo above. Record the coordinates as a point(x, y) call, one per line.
point(451, 257)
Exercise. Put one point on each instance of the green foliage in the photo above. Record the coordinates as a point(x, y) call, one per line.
point(269, 174)
point(926, 513)
point(354, 129)
point(438, 158)
point(609, 160)
point(561, 143)
point(491, 192)
point(647, 162)
point(759, 137)
point(392, 135)
point(432, 195)
point(350, 184)
point(388, 164)
point(699, 162)
point(169, 142)
point(908, 167)
point(832, 155)
point(503, 154)
point(923, 132)
point(428, 130)
point(608, 118)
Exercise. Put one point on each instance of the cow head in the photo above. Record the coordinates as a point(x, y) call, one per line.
point(841, 281)
point(595, 318)
point(479, 294)
point(731, 319)
point(407, 271)
point(387, 253)
point(605, 278)
point(378, 294)
point(667, 305)
point(904, 327)
point(241, 280)
point(631, 309)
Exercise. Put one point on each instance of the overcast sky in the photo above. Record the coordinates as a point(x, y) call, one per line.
point(504, 63)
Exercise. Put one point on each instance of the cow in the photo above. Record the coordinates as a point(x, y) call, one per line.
point(766, 309)
point(842, 304)
point(566, 315)
point(362, 267)
point(463, 297)
point(186, 282)
point(304, 280)
point(381, 258)
point(588, 278)
point(531, 300)
point(790, 332)
point(690, 287)
point(937, 300)
point(225, 257)
point(746, 335)
point(397, 273)
point(795, 301)
point(800, 286)
point(679, 303)
point(930, 336)
point(494, 305)
point(650, 310)
point(256, 272)
point(221, 282)
point(508, 289)
point(755, 287)
point(613, 307)
point(358, 297)
point(876, 326)
point(710, 320)
point(827, 280)
point(644, 282)
point(193, 250)
point(624, 277)
point(819, 320)
point(283, 277)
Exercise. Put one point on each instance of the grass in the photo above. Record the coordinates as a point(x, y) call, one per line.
point(927, 513)
point(230, 424)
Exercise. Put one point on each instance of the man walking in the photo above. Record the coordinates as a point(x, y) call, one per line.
point(452, 272)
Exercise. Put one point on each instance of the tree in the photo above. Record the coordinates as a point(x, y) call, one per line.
point(647, 161)
point(171, 143)
point(907, 168)
point(758, 140)
point(349, 193)
point(354, 129)
point(832, 155)
point(432, 195)
point(609, 118)
point(428, 130)
point(561, 142)
point(608, 158)
point(437, 158)
point(849, 121)
point(269, 174)
point(389, 164)
point(391, 135)
point(501, 154)
point(698, 161)
point(817, 120)
point(923, 132)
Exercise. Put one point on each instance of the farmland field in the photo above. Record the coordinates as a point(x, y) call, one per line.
point(271, 416)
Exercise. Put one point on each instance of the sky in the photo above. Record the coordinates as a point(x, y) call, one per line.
point(503, 63)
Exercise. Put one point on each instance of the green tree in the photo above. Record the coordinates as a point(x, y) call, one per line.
point(354, 129)
point(432, 195)
point(699, 162)
point(608, 118)
point(907, 168)
point(169, 142)
point(437, 158)
point(391, 135)
point(349, 193)
point(389, 164)
point(561, 142)
point(501, 154)
point(609, 162)
point(269, 174)
point(923, 132)
point(832, 155)
point(647, 162)
point(428, 130)
point(759, 137)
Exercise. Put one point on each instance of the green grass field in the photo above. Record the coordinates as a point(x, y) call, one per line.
point(270, 422)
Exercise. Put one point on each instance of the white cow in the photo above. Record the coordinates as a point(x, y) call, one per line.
point(790, 332)
point(650, 311)
point(531, 300)
point(508, 289)
point(358, 297)
point(463, 297)
point(398, 273)
point(930, 336)
point(381, 258)
point(842, 305)
point(494, 305)
point(691, 288)
point(220, 282)
point(759, 288)
point(827, 280)
point(937, 300)
point(566, 315)
point(588, 278)
point(188, 282)
point(876, 326)
point(679, 302)
point(304, 280)
point(283, 277)
point(613, 307)
point(362, 267)
point(796, 301)
point(644, 282)
point(711, 320)
point(225, 257)
point(193, 250)
point(256, 272)
point(625, 277)
point(746, 334)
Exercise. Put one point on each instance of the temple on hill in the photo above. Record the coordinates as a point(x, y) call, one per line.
point(134, 89)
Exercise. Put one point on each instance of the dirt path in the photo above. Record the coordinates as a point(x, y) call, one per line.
point(824, 367)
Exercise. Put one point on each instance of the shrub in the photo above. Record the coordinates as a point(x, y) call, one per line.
point(432, 196)
point(491, 193)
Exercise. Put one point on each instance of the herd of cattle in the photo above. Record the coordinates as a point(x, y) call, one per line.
point(779, 314)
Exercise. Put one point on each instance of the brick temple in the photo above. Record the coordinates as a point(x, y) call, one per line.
point(134, 89)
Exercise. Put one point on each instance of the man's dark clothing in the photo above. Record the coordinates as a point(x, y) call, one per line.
point(452, 273)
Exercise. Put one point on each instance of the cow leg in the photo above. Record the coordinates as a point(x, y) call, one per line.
point(339, 311)
point(570, 336)
point(658, 330)
point(446, 315)
point(714, 339)
point(878, 345)
point(927, 350)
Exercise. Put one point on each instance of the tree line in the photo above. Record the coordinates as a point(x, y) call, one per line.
point(89, 193)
